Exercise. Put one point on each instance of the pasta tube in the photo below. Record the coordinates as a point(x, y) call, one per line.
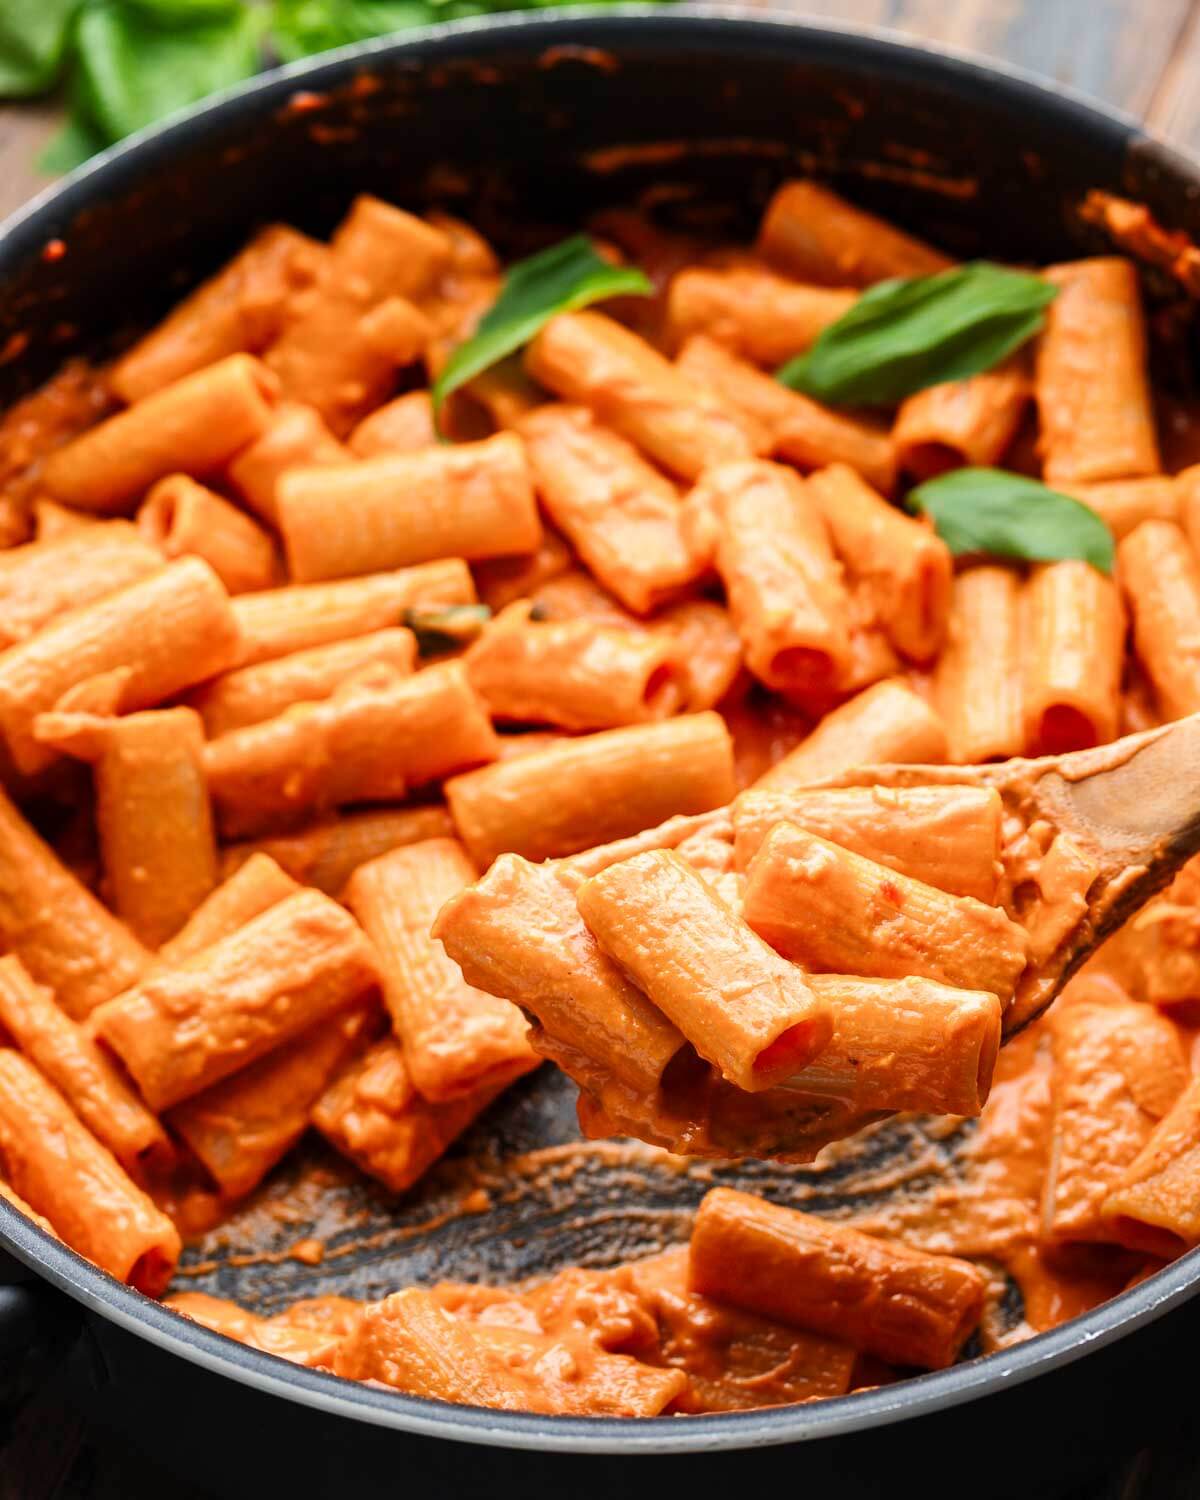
point(195, 425)
point(56, 927)
point(86, 1076)
point(373, 1114)
point(297, 438)
point(44, 579)
point(962, 422)
point(63, 1172)
point(52, 522)
point(799, 430)
point(370, 741)
point(1118, 1070)
point(518, 933)
point(167, 631)
point(326, 854)
point(907, 1307)
point(904, 1043)
point(948, 836)
point(834, 911)
point(1074, 648)
point(978, 678)
point(1123, 504)
point(1161, 581)
point(587, 791)
point(391, 252)
point(22, 1207)
point(763, 317)
point(503, 580)
point(152, 812)
point(347, 334)
point(621, 515)
point(239, 1128)
point(889, 724)
point(1092, 393)
point(587, 358)
point(181, 518)
point(456, 1039)
point(410, 1342)
point(253, 888)
point(469, 500)
point(708, 647)
point(182, 1029)
point(576, 674)
point(240, 309)
point(283, 621)
point(903, 566)
point(812, 233)
point(786, 593)
point(746, 1011)
point(251, 694)
point(404, 425)
point(1154, 1206)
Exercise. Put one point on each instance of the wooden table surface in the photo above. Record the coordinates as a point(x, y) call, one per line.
point(1142, 56)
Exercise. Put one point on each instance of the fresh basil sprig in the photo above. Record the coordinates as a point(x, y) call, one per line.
point(1000, 514)
point(126, 63)
point(902, 336)
point(564, 278)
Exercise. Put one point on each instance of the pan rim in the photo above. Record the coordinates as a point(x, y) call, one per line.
point(23, 234)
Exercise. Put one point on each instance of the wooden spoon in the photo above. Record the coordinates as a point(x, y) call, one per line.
point(1090, 837)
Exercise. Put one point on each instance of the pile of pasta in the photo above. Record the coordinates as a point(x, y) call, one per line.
point(335, 754)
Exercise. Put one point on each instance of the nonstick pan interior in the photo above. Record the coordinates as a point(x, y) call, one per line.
point(521, 1195)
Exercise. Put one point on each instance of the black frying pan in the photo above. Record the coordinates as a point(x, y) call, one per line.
point(510, 124)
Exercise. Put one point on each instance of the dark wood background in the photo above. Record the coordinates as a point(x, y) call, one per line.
point(1142, 56)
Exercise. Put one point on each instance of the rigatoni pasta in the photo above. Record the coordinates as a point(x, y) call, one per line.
point(197, 424)
point(372, 740)
point(456, 1039)
point(264, 689)
point(188, 1026)
point(621, 515)
point(814, 234)
point(326, 854)
point(163, 634)
point(152, 812)
point(454, 698)
point(785, 586)
point(1092, 391)
point(590, 359)
point(283, 621)
point(182, 518)
point(86, 1076)
point(471, 500)
point(59, 1168)
point(598, 787)
point(741, 1008)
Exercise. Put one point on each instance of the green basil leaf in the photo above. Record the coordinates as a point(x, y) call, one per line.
point(568, 276)
point(33, 39)
point(186, 11)
point(132, 69)
point(301, 27)
point(1006, 515)
point(902, 336)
